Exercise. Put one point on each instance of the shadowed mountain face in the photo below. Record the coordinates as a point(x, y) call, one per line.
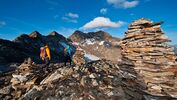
point(100, 44)
point(26, 46)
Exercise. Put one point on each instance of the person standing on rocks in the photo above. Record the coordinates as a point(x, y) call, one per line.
point(67, 55)
point(45, 54)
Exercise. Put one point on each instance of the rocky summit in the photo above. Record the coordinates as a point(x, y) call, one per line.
point(96, 80)
point(145, 70)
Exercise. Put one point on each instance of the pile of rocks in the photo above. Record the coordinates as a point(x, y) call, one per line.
point(96, 80)
point(152, 59)
point(78, 57)
point(25, 77)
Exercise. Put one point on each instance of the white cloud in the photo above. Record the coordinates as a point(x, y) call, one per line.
point(102, 22)
point(103, 10)
point(2, 23)
point(73, 15)
point(69, 20)
point(123, 3)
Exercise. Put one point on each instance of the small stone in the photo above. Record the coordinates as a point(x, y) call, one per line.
point(21, 78)
point(156, 87)
point(75, 75)
point(94, 83)
point(110, 93)
point(77, 68)
point(92, 75)
point(8, 97)
point(110, 76)
point(86, 70)
point(82, 82)
point(1, 95)
point(6, 90)
point(110, 87)
point(14, 81)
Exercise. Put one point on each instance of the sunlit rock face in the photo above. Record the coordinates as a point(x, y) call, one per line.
point(144, 48)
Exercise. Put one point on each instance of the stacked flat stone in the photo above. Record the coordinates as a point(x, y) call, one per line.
point(78, 57)
point(152, 59)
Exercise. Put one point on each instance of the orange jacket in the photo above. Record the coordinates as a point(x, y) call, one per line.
point(48, 52)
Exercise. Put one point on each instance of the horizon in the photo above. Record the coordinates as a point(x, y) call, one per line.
point(112, 16)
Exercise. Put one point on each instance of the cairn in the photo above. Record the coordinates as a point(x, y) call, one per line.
point(152, 59)
point(78, 57)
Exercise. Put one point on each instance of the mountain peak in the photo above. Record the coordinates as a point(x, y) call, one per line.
point(78, 32)
point(54, 33)
point(35, 34)
point(78, 36)
point(100, 34)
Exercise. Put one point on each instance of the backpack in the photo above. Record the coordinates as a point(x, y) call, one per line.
point(65, 51)
point(42, 53)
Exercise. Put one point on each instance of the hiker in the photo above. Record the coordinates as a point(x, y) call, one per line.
point(45, 54)
point(67, 55)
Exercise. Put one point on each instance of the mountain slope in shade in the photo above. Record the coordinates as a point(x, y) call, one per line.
point(26, 46)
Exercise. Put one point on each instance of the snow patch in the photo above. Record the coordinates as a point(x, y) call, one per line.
point(101, 43)
point(90, 57)
point(75, 43)
point(20, 77)
point(90, 41)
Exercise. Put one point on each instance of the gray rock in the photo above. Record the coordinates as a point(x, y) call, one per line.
point(94, 82)
point(93, 75)
point(6, 90)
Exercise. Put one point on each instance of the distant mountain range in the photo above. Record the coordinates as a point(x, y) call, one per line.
point(79, 36)
point(26, 46)
point(100, 44)
point(175, 48)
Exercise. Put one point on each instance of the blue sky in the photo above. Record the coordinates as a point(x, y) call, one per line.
point(66, 16)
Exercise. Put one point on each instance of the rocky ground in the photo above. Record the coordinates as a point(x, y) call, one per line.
point(98, 80)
